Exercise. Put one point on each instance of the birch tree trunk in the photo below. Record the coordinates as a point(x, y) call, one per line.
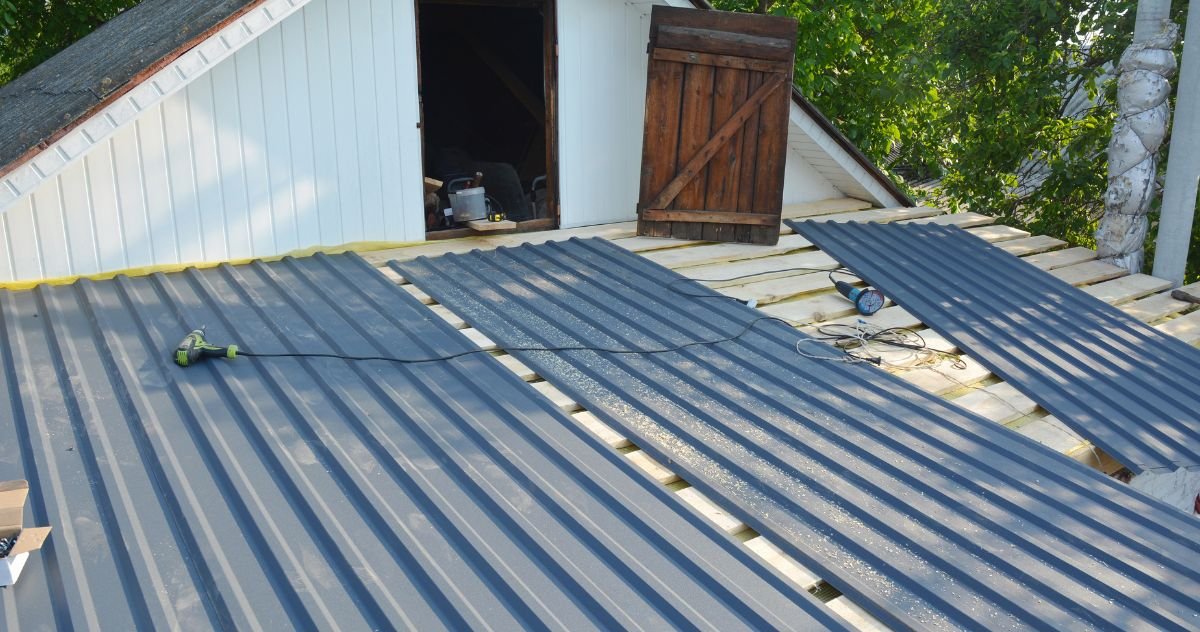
point(1143, 86)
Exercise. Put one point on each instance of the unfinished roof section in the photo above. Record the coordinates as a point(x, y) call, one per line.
point(325, 494)
point(1128, 387)
point(925, 515)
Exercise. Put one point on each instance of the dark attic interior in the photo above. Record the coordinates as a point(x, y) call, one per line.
point(483, 74)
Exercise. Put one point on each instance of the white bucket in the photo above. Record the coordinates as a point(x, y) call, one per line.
point(469, 204)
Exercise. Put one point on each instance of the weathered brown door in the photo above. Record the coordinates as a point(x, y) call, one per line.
point(717, 97)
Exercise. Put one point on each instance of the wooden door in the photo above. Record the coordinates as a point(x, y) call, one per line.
point(718, 91)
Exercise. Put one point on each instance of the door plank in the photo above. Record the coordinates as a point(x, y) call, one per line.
point(695, 128)
point(730, 91)
point(663, 83)
point(709, 149)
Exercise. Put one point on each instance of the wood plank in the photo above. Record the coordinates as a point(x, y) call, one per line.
point(747, 23)
point(703, 254)
point(648, 464)
point(782, 562)
point(1185, 328)
point(944, 378)
point(719, 517)
point(749, 153)
point(702, 153)
point(821, 308)
point(881, 215)
point(557, 397)
point(780, 289)
point(417, 293)
point(771, 162)
point(393, 276)
point(695, 133)
point(764, 268)
point(1127, 288)
point(646, 244)
point(516, 366)
point(710, 217)
point(728, 62)
point(999, 402)
point(823, 207)
point(998, 232)
point(664, 82)
point(1154, 308)
point(1030, 245)
point(485, 226)
point(855, 615)
point(1049, 432)
point(1060, 258)
point(445, 314)
point(731, 88)
point(967, 219)
point(713, 253)
point(602, 430)
point(479, 340)
point(722, 42)
point(1089, 272)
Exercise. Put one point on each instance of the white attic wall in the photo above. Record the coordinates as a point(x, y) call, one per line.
point(305, 136)
point(602, 93)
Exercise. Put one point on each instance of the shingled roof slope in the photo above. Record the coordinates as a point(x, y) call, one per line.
point(43, 104)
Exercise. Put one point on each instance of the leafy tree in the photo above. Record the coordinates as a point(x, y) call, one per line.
point(972, 93)
point(32, 31)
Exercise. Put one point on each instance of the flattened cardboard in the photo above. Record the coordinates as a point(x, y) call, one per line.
point(12, 509)
point(31, 540)
point(12, 505)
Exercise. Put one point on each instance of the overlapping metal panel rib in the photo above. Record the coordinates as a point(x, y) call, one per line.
point(928, 516)
point(1127, 387)
point(325, 494)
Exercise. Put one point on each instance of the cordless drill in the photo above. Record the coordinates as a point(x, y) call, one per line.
point(194, 348)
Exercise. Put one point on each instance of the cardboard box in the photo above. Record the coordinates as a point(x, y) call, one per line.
point(12, 512)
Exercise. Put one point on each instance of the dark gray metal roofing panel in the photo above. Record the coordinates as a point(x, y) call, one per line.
point(320, 493)
point(926, 515)
point(1129, 388)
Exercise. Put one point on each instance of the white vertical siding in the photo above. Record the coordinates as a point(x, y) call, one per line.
point(306, 136)
point(602, 93)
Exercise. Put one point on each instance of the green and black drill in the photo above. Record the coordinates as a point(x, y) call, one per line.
point(194, 348)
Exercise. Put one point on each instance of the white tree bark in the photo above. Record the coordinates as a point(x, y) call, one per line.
point(1143, 86)
point(1149, 19)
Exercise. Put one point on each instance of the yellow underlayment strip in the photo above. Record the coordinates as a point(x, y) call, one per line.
point(356, 246)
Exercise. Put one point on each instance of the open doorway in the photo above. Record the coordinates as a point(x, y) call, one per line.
point(487, 99)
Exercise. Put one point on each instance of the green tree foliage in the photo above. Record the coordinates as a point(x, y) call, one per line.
point(971, 92)
point(32, 31)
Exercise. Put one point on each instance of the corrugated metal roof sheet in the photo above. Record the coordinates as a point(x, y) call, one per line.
point(1128, 387)
point(320, 493)
point(924, 514)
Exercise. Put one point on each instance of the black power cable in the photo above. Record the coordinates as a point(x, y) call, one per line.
point(831, 272)
point(745, 330)
point(894, 336)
